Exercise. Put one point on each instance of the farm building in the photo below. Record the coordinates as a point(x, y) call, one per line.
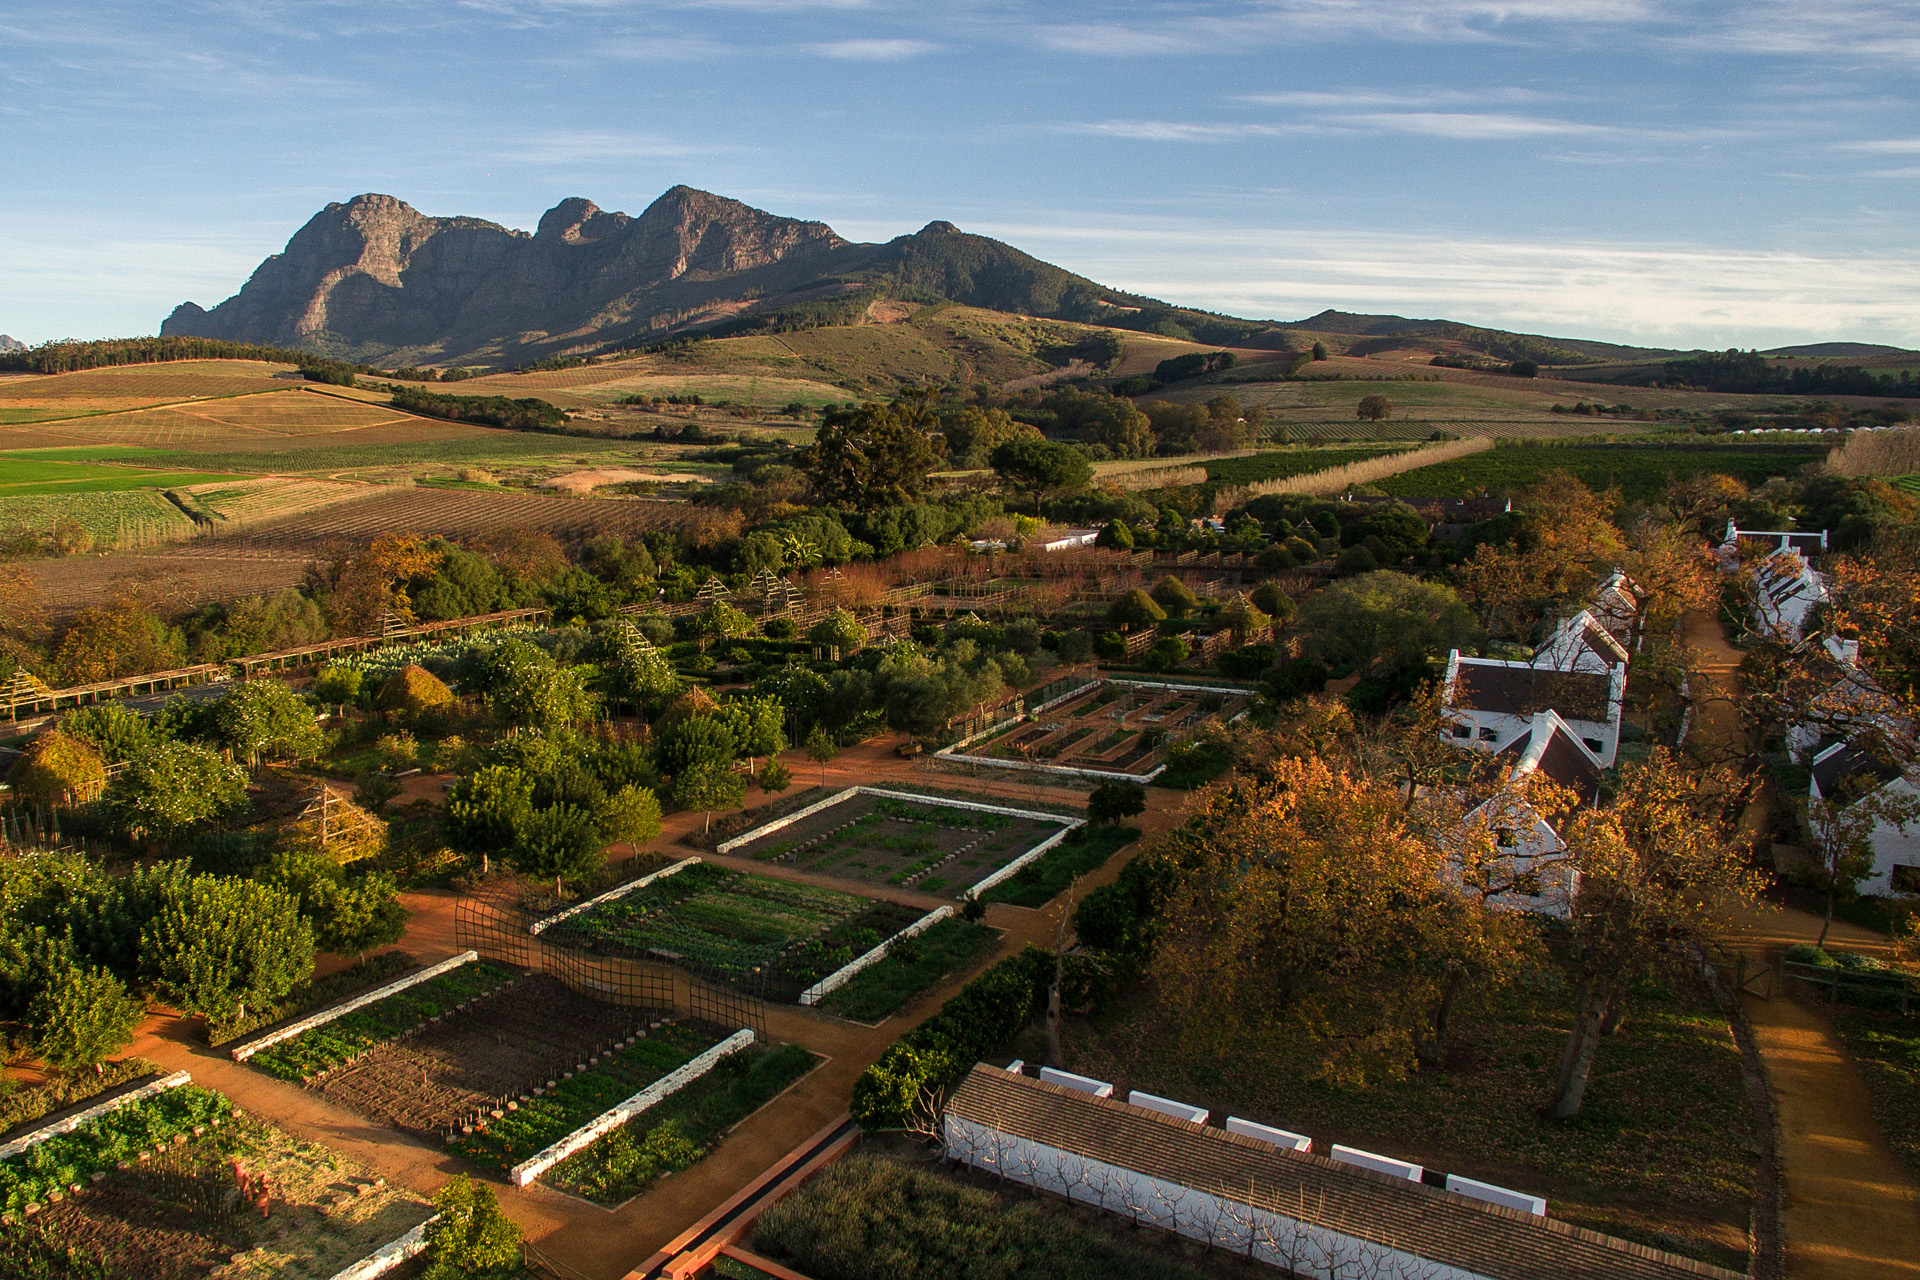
point(1616, 606)
point(1491, 702)
point(1851, 707)
point(1786, 589)
point(1259, 1196)
point(1843, 770)
point(1582, 643)
point(1806, 542)
point(1530, 845)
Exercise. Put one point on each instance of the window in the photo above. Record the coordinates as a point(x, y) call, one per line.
point(1906, 879)
point(1594, 745)
point(1488, 735)
point(1463, 731)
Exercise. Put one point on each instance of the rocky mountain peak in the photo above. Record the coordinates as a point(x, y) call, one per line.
point(9, 343)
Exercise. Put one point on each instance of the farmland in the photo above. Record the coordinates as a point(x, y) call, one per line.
point(1280, 464)
point(22, 476)
point(1111, 728)
point(1637, 470)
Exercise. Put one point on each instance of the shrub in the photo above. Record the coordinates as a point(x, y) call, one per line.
point(985, 1014)
point(397, 751)
point(1113, 802)
point(471, 1237)
point(775, 776)
point(58, 769)
point(1807, 953)
point(411, 692)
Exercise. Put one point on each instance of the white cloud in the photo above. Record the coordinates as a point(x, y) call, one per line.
point(1469, 124)
point(1679, 295)
point(871, 50)
point(1885, 146)
point(1182, 130)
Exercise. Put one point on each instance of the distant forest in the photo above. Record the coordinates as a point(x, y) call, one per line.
point(528, 414)
point(69, 357)
point(1751, 372)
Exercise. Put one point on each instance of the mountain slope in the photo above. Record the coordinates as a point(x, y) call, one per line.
point(376, 279)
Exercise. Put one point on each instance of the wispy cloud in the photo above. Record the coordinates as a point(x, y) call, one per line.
point(1468, 125)
point(1885, 146)
point(1182, 130)
point(871, 50)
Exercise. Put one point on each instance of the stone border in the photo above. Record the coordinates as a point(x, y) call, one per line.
point(768, 828)
point(389, 1255)
point(78, 1118)
point(527, 1170)
point(1020, 863)
point(539, 926)
point(839, 977)
point(240, 1053)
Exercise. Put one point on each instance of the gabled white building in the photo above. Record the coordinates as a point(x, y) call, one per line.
point(1806, 542)
point(1787, 589)
point(1581, 643)
point(1616, 607)
point(1843, 770)
point(1529, 871)
point(1490, 703)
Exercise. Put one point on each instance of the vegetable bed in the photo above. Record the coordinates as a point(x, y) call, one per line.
point(913, 965)
point(324, 1047)
point(535, 1125)
point(680, 1130)
point(101, 1143)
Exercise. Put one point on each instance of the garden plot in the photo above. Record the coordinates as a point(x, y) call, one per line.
point(231, 1197)
point(464, 1065)
point(899, 839)
point(1110, 729)
point(737, 926)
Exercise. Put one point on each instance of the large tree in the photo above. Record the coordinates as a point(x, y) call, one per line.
point(873, 457)
point(264, 719)
point(1383, 622)
point(217, 945)
point(173, 787)
point(1042, 468)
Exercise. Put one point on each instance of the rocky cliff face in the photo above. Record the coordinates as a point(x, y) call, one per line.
point(376, 279)
point(9, 343)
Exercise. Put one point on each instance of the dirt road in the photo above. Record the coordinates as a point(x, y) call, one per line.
point(1852, 1206)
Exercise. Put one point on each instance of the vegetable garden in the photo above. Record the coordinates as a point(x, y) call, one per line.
point(924, 845)
point(1109, 728)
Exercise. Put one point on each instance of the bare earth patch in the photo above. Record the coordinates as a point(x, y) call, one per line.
point(596, 477)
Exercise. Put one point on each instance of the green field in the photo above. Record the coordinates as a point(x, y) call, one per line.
point(122, 518)
point(1281, 464)
point(24, 477)
point(1909, 483)
point(1638, 471)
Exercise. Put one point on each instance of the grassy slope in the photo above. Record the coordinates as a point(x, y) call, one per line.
point(23, 477)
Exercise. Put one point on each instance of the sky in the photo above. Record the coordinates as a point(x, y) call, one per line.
point(1680, 173)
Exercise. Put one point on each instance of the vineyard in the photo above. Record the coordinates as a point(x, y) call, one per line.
point(1638, 471)
point(130, 386)
point(1280, 464)
point(121, 520)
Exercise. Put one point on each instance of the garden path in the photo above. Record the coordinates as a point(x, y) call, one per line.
point(1852, 1206)
point(605, 1244)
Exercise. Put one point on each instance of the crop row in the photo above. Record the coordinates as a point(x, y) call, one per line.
point(546, 1114)
point(55, 1167)
point(1638, 471)
point(345, 1038)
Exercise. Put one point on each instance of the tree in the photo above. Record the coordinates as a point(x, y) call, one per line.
point(696, 742)
point(337, 686)
point(1041, 468)
point(264, 719)
point(117, 639)
point(758, 726)
point(1654, 867)
point(469, 1238)
point(58, 769)
point(872, 457)
point(1175, 596)
point(562, 841)
point(631, 814)
point(821, 749)
point(709, 787)
point(487, 810)
point(1373, 409)
point(411, 692)
point(1243, 620)
point(1115, 535)
point(173, 787)
point(840, 633)
point(217, 945)
point(115, 732)
point(774, 777)
point(1383, 621)
point(81, 1016)
point(1319, 351)
point(639, 675)
point(348, 916)
point(1135, 609)
point(539, 694)
point(1115, 802)
point(1843, 826)
point(722, 621)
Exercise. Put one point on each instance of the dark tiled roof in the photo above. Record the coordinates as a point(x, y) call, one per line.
point(1852, 769)
point(1485, 1239)
point(1568, 765)
point(1518, 689)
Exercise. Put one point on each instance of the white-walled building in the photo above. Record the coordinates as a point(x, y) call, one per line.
point(1806, 542)
point(1490, 703)
point(1787, 589)
point(1843, 770)
point(1530, 848)
point(1616, 606)
point(1582, 643)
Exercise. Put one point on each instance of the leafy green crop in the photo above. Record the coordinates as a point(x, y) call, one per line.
point(345, 1038)
point(67, 1158)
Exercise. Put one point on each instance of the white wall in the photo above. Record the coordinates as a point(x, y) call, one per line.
point(1295, 1244)
point(1892, 847)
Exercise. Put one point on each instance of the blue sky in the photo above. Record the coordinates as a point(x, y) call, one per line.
point(1688, 174)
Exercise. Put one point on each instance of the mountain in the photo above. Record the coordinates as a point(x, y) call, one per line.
point(375, 279)
point(1839, 351)
point(11, 344)
point(1381, 332)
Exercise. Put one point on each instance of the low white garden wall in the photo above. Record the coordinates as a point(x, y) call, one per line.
point(527, 1170)
point(540, 926)
point(728, 846)
point(241, 1053)
point(838, 978)
point(389, 1255)
point(1018, 864)
point(78, 1118)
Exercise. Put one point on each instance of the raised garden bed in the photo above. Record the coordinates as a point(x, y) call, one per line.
point(925, 845)
point(174, 1216)
point(679, 1131)
point(732, 923)
point(555, 1109)
point(1113, 728)
point(1084, 851)
point(321, 1049)
point(911, 968)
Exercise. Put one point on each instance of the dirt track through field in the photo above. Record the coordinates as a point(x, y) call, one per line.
point(605, 1244)
point(1852, 1206)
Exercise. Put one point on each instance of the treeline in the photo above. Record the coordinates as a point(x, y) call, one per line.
point(1751, 372)
point(526, 414)
point(69, 357)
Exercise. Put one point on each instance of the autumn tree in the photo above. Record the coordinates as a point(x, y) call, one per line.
point(114, 640)
point(1654, 867)
point(58, 769)
point(1843, 827)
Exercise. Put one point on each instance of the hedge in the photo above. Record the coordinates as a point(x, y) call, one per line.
point(985, 1014)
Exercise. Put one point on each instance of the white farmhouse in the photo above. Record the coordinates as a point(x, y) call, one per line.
point(1582, 643)
point(1843, 770)
point(1787, 588)
point(1490, 703)
point(1529, 872)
